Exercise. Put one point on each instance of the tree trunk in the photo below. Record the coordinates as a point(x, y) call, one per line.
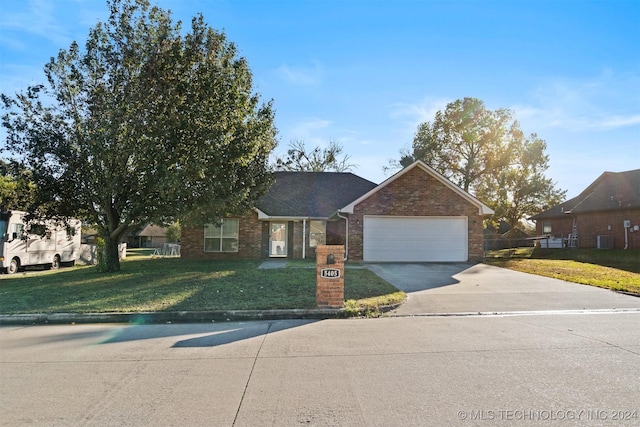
point(111, 258)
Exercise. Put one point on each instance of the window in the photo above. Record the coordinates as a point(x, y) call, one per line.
point(39, 230)
point(546, 227)
point(222, 237)
point(16, 231)
point(317, 233)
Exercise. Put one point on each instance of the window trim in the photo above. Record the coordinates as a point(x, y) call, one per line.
point(221, 236)
point(546, 227)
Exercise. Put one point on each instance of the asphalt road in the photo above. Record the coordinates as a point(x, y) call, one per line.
point(546, 369)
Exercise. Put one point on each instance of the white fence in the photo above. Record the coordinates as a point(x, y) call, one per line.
point(88, 253)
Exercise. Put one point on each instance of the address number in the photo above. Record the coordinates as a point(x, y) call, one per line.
point(330, 273)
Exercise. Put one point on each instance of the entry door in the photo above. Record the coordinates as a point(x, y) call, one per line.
point(278, 239)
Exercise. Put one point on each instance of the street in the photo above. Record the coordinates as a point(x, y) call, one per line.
point(536, 369)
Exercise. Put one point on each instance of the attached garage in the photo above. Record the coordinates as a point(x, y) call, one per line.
point(415, 239)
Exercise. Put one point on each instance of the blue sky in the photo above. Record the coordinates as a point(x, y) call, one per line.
point(366, 73)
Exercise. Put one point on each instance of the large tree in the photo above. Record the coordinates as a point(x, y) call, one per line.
point(147, 123)
point(16, 186)
point(318, 159)
point(486, 153)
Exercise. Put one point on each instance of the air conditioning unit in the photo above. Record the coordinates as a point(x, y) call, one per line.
point(605, 242)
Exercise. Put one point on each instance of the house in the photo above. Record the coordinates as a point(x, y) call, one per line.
point(605, 215)
point(145, 236)
point(416, 215)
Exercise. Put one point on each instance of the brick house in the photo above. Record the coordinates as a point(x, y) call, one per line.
point(605, 215)
point(416, 215)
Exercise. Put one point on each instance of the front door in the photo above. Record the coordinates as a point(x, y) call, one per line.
point(278, 239)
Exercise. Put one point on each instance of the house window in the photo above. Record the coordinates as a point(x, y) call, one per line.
point(317, 233)
point(222, 237)
point(546, 227)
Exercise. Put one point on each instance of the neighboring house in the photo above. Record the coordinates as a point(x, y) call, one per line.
point(416, 215)
point(146, 236)
point(605, 215)
point(505, 237)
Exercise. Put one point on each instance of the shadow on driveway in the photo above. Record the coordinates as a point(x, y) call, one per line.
point(419, 277)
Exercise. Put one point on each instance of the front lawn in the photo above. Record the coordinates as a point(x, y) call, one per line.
point(173, 284)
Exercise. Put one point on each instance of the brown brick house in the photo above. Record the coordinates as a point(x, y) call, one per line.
point(415, 215)
point(605, 215)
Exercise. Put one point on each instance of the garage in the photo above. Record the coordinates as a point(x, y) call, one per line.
point(415, 239)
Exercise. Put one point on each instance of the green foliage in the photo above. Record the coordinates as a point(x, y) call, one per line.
point(16, 186)
point(147, 123)
point(299, 158)
point(174, 232)
point(485, 152)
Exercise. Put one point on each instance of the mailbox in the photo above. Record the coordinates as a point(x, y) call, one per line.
point(330, 276)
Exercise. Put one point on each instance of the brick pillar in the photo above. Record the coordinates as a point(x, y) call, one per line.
point(330, 276)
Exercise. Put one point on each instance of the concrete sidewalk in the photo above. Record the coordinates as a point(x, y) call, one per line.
point(481, 288)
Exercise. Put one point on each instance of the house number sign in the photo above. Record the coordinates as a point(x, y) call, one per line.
point(330, 273)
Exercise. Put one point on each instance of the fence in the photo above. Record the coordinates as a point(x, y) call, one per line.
point(498, 244)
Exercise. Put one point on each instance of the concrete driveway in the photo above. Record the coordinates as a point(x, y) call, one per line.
point(467, 288)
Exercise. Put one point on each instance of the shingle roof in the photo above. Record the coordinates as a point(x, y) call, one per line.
point(611, 191)
point(312, 194)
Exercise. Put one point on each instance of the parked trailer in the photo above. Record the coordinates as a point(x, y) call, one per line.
point(47, 242)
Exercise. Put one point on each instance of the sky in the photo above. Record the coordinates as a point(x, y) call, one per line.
point(367, 73)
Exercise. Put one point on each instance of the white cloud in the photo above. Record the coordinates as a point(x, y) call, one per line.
point(38, 19)
point(413, 114)
point(601, 103)
point(301, 75)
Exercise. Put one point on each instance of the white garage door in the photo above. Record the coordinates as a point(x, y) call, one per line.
point(415, 239)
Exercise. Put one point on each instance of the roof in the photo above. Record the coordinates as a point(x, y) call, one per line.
point(611, 191)
point(147, 230)
point(311, 194)
point(483, 209)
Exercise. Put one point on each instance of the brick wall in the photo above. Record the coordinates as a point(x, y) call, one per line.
point(330, 291)
point(592, 225)
point(250, 241)
point(416, 193)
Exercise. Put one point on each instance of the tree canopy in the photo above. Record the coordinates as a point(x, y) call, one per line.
point(16, 186)
point(319, 159)
point(147, 123)
point(486, 153)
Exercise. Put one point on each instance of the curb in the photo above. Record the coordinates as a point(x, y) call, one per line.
point(170, 317)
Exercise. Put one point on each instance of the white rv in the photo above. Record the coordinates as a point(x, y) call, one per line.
point(36, 243)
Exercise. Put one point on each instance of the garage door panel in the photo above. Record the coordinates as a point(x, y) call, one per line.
point(415, 239)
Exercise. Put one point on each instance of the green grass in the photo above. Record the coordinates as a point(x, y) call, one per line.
point(167, 284)
point(611, 269)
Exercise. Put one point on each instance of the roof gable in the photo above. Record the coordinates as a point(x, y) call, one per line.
point(483, 209)
point(311, 194)
point(610, 191)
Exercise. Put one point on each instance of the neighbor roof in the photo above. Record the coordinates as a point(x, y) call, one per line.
point(311, 194)
point(611, 191)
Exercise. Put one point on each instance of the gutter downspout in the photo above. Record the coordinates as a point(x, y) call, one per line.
point(626, 239)
point(304, 238)
point(346, 235)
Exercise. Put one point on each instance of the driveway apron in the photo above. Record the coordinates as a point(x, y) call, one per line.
point(460, 288)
